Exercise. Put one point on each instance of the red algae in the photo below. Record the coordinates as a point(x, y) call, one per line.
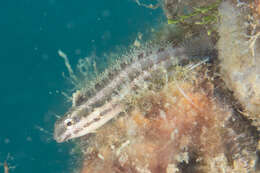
point(255, 5)
point(199, 119)
point(181, 128)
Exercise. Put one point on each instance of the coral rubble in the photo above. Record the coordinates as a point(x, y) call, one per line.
point(182, 128)
point(239, 54)
point(202, 120)
point(193, 124)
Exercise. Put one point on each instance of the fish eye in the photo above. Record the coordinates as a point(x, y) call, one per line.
point(68, 122)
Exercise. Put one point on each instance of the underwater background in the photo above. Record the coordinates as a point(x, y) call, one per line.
point(31, 33)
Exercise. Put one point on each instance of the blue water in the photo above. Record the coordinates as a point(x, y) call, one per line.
point(31, 33)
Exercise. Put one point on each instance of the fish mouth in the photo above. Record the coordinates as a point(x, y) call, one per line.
point(57, 138)
point(62, 139)
point(60, 135)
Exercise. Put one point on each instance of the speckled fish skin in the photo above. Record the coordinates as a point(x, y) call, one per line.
point(89, 114)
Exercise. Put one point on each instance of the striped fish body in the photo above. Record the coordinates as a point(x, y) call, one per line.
point(93, 108)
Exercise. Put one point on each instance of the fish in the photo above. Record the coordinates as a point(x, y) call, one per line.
point(93, 108)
